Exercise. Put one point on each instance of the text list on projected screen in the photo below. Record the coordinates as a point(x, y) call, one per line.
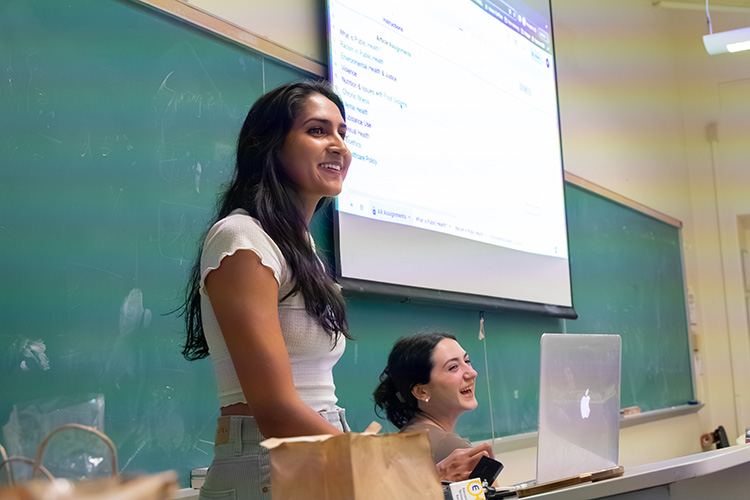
point(456, 181)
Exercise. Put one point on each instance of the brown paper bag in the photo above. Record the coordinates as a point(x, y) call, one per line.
point(353, 467)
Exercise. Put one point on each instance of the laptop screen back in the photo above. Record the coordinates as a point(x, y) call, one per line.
point(579, 405)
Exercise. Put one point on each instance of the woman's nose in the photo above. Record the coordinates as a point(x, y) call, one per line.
point(338, 145)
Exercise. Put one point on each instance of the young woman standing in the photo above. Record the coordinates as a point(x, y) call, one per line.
point(260, 301)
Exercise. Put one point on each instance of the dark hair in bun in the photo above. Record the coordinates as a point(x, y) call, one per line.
point(409, 364)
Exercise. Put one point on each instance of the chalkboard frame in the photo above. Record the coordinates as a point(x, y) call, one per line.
point(622, 200)
point(235, 34)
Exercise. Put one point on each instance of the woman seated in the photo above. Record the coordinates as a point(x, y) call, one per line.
point(427, 384)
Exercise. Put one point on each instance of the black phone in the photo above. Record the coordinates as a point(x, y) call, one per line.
point(487, 470)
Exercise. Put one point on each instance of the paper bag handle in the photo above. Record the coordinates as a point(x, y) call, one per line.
point(107, 441)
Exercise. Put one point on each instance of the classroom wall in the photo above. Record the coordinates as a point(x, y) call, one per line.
point(637, 91)
point(716, 93)
point(293, 24)
point(638, 94)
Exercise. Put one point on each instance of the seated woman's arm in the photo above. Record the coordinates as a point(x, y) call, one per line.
point(244, 297)
point(458, 465)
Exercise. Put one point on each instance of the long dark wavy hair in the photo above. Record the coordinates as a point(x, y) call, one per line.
point(409, 364)
point(261, 186)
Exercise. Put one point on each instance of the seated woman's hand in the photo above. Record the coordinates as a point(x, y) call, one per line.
point(458, 465)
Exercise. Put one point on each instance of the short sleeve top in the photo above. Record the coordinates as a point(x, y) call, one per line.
point(311, 350)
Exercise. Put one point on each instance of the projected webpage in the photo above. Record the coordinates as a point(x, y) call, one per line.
point(452, 119)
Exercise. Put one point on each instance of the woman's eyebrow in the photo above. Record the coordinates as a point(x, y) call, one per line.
point(325, 121)
point(452, 360)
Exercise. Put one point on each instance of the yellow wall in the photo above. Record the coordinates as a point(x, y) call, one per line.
point(637, 91)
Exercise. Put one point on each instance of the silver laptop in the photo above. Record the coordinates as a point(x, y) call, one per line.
point(579, 405)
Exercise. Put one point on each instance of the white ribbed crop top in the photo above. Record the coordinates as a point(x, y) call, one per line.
point(308, 344)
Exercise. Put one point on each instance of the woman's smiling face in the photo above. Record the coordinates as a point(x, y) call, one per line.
point(314, 154)
point(452, 379)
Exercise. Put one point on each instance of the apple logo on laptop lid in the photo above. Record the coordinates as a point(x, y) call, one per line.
point(585, 408)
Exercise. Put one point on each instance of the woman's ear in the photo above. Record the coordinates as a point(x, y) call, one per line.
point(421, 392)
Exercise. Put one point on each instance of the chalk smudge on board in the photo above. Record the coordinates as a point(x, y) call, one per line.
point(34, 350)
point(198, 171)
point(132, 312)
point(163, 86)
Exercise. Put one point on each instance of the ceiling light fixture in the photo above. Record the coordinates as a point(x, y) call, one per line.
point(726, 41)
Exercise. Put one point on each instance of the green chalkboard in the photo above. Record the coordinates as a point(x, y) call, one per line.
point(117, 129)
point(117, 126)
point(628, 279)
